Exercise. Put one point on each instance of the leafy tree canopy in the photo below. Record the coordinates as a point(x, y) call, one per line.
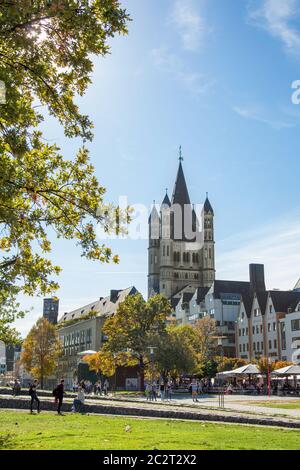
point(46, 60)
point(135, 327)
point(41, 350)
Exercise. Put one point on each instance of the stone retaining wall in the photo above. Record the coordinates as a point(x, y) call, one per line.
point(23, 404)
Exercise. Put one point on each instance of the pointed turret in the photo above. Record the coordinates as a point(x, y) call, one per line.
point(207, 206)
point(166, 202)
point(154, 217)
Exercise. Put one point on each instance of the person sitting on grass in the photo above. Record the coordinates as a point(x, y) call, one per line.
point(78, 401)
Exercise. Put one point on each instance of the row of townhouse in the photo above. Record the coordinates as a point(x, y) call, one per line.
point(236, 307)
point(268, 325)
point(221, 302)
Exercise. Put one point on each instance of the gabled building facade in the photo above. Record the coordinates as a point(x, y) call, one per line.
point(264, 325)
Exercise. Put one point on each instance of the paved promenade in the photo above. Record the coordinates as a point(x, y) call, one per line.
point(244, 410)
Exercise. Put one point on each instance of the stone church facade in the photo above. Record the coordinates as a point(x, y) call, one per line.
point(181, 243)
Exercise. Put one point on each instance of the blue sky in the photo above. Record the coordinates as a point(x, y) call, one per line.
point(215, 77)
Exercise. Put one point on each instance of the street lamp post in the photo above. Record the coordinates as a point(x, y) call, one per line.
point(151, 351)
point(221, 389)
point(269, 376)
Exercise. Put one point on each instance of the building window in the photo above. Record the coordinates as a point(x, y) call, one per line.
point(168, 251)
point(283, 336)
point(269, 327)
point(295, 325)
point(275, 343)
point(270, 344)
point(270, 308)
point(253, 346)
point(274, 326)
point(261, 328)
point(240, 332)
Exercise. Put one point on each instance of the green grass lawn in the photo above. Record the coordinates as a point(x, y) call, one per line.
point(20, 430)
point(280, 405)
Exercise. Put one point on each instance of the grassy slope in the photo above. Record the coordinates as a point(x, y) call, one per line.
point(49, 431)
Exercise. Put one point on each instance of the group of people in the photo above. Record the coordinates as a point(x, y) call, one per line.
point(155, 389)
point(99, 388)
point(58, 394)
point(82, 388)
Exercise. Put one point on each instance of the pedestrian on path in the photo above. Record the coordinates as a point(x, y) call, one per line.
point(148, 391)
point(169, 391)
point(34, 398)
point(105, 387)
point(194, 387)
point(58, 392)
point(154, 391)
point(162, 391)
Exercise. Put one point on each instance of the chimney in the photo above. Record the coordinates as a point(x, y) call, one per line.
point(257, 277)
point(114, 295)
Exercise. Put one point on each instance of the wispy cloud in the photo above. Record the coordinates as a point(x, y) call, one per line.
point(255, 113)
point(277, 17)
point(276, 245)
point(171, 63)
point(189, 23)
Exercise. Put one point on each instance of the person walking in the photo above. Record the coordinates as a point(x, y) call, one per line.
point(162, 391)
point(154, 391)
point(194, 387)
point(58, 392)
point(105, 387)
point(34, 398)
point(169, 391)
point(148, 392)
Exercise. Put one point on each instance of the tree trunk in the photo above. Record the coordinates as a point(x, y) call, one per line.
point(142, 375)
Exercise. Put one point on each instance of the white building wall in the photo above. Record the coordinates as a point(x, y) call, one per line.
point(292, 333)
point(271, 331)
point(257, 330)
point(242, 334)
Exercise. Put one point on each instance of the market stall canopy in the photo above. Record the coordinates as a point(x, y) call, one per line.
point(289, 370)
point(250, 369)
point(87, 353)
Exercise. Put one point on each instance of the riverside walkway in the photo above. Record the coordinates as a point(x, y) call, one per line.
point(238, 409)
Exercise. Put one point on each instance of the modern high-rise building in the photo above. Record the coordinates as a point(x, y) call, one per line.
point(181, 243)
point(50, 310)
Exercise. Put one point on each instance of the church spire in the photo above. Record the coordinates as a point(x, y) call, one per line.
point(180, 193)
point(207, 206)
point(166, 201)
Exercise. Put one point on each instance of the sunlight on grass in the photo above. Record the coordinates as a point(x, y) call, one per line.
point(19, 430)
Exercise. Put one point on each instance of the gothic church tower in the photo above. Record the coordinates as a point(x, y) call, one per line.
point(181, 248)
